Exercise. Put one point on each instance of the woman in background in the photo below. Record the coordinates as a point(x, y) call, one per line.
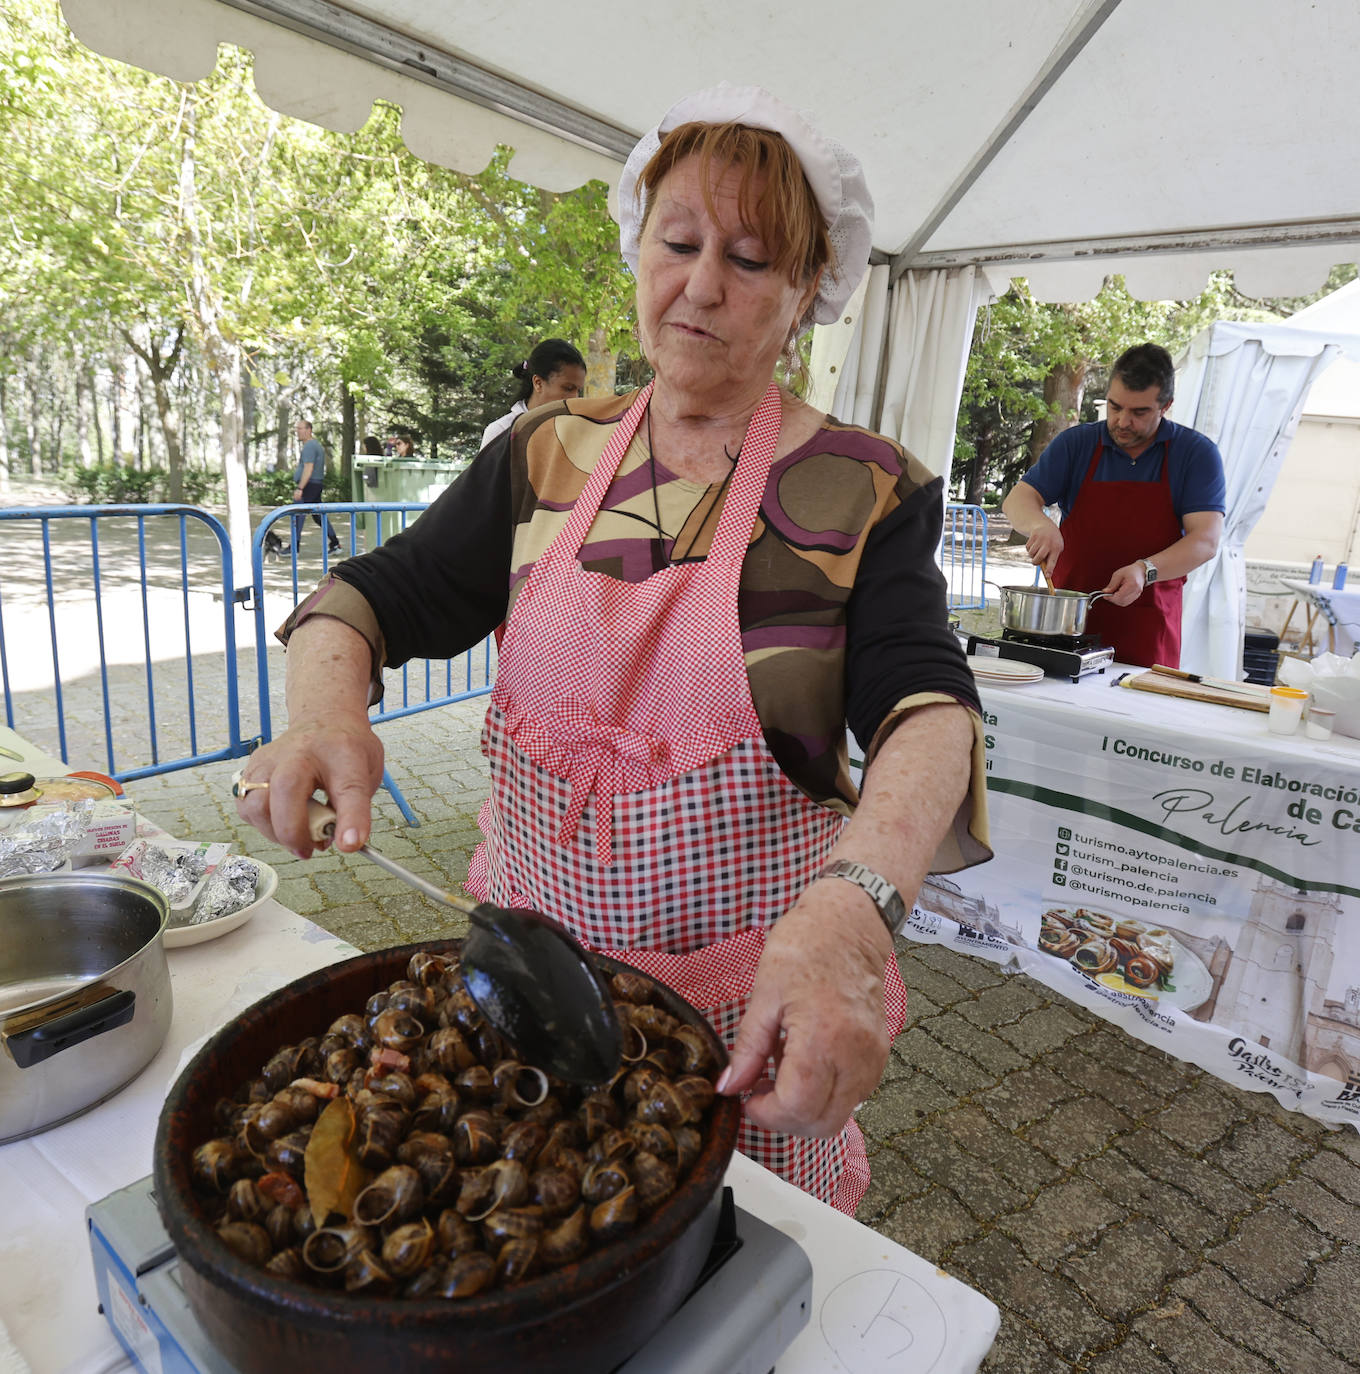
point(554, 371)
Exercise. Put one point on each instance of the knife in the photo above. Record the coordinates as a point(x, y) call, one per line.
point(1251, 689)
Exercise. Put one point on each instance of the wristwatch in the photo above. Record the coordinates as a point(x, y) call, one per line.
point(1150, 571)
point(884, 895)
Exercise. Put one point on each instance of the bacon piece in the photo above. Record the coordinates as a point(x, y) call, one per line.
point(316, 1087)
point(282, 1188)
point(384, 1059)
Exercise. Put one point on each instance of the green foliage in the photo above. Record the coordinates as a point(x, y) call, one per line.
point(114, 484)
point(139, 209)
point(271, 488)
point(1019, 344)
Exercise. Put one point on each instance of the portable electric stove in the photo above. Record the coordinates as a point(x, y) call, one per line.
point(1070, 656)
point(140, 1295)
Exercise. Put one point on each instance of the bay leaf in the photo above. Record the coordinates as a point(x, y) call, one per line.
point(331, 1171)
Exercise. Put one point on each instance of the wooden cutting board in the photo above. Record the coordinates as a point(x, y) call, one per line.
point(1168, 686)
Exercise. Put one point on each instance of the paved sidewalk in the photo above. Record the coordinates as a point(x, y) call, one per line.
point(1128, 1213)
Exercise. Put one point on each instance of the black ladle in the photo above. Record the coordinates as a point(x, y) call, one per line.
point(531, 980)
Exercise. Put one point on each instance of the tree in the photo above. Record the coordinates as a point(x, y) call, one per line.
point(1032, 365)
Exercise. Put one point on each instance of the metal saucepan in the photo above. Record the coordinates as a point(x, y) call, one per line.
point(1038, 611)
point(84, 993)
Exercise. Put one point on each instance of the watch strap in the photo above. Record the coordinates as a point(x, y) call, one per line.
point(883, 894)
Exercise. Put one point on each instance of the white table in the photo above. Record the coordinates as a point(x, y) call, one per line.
point(31, 759)
point(871, 1298)
point(1340, 609)
point(1193, 819)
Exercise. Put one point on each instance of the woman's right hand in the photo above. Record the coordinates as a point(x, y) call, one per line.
point(342, 758)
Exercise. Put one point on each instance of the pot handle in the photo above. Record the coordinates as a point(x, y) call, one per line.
point(33, 1046)
point(1093, 597)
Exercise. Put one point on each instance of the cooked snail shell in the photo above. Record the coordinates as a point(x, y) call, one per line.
point(567, 1241)
point(654, 1180)
point(604, 1180)
point(555, 1190)
point(475, 1137)
point(614, 1217)
point(246, 1241)
point(395, 1195)
point(365, 1274)
point(1142, 970)
point(330, 1248)
point(468, 1274)
point(408, 1248)
point(1094, 956)
point(214, 1165)
point(517, 1259)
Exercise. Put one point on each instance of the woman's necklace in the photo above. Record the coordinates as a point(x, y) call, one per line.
point(674, 556)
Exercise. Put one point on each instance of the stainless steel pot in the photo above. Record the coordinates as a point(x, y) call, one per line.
point(85, 998)
point(1038, 611)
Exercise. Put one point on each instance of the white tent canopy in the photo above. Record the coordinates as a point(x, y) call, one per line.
point(1244, 386)
point(1060, 140)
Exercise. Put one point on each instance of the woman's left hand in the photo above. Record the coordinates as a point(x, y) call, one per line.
point(817, 1009)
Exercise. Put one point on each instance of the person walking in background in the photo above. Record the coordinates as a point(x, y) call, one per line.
point(307, 479)
point(554, 371)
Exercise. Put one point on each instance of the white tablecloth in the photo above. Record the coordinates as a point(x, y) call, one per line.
point(1190, 819)
point(31, 759)
point(871, 1298)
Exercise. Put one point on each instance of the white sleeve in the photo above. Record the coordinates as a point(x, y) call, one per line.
point(498, 427)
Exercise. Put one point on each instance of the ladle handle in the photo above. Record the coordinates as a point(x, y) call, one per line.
point(321, 825)
point(1048, 581)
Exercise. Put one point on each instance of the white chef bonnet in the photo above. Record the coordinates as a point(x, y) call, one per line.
point(833, 172)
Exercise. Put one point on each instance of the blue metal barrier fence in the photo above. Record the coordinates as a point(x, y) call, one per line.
point(963, 556)
point(423, 685)
point(153, 619)
point(474, 670)
point(91, 595)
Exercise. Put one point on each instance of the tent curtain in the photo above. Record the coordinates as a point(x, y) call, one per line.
point(1246, 397)
point(847, 354)
point(930, 331)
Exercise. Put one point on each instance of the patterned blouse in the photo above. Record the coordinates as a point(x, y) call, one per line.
point(842, 605)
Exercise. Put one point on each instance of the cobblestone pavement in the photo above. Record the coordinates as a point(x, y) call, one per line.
point(1128, 1213)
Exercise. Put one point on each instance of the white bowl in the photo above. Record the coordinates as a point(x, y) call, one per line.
point(176, 937)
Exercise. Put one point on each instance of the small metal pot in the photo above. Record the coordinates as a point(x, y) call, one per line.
point(85, 998)
point(1038, 611)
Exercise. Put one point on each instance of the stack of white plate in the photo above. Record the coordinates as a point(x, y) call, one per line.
point(1004, 672)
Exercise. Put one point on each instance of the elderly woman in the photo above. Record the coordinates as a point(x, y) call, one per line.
point(700, 583)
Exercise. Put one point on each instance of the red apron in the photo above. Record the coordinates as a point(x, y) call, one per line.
point(1111, 525)
point(633, 795)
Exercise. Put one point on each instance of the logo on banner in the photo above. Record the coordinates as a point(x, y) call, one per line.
point(1254, 1064)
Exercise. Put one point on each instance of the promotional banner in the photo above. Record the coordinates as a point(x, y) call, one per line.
point(1204, 895)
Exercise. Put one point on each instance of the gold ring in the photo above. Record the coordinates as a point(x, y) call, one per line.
point(240, 786)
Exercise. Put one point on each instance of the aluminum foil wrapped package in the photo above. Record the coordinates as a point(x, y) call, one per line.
point(229, 887)
point(176, 872)
point(43, 842)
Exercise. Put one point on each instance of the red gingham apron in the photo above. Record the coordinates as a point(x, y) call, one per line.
point(633, 795)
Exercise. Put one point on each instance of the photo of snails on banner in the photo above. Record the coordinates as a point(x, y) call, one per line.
point(1125, 954)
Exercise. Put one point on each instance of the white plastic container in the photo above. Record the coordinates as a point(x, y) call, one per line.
point(1286, 710)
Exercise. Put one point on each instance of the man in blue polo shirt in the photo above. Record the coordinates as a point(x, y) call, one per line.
point(308, 477)
point(1142, 502)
